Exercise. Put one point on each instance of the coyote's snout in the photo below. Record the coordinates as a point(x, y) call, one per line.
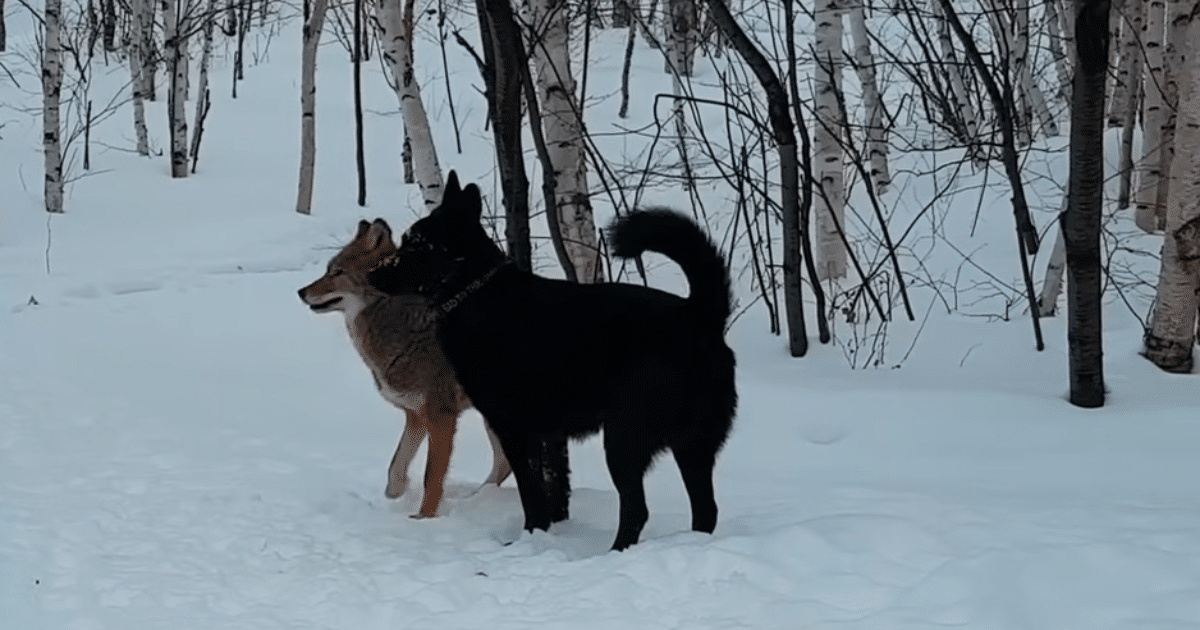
point(396, 337)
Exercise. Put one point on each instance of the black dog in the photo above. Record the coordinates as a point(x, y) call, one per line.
point(542, 359)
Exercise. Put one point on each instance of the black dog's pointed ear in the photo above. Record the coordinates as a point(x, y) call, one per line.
point(472, 204)
point(363, 226)
point(452, 187)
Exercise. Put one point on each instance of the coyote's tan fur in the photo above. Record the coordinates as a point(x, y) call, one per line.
point(396, 337)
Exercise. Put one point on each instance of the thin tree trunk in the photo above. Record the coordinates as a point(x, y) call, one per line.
point(1149, 215)
point(564, 139)
point(682, 37)
point(864, 61)
point(1052, 283)
point(360, 157)
point(1034, 100)
point(202, 100)
point(624, 111)
point(149, 50)
point(1081, 223)
point(1127, 74)
point(394, 23)
point(109, 24)
point(504, 53)
point(1173, 62)
point(51, 93)
point(308, 105)
point(137, 66)
point(175, 32)
point(1172, 334)
point(785, 139)
point(954, 74)
point(3, 29)
point(830, 203)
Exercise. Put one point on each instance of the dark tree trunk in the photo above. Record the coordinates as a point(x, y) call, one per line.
point(3, 30)
point(503, 51)
point(360, 158)
point(1081, 222)
point(785, 139)
point(622, 14)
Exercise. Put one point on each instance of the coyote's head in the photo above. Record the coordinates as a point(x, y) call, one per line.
point(344, 286)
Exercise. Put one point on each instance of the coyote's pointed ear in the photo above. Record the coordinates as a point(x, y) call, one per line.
point(471, 203)
point(363, 226)
point(380, 233)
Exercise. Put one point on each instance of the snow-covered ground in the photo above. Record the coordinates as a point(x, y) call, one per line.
point(184, 445)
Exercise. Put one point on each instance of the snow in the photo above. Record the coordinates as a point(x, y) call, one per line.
point(184, 445)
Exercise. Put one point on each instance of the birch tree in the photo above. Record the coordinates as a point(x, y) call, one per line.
point(682, 36)
point(1172, 333)
point(394, 23)
point(138, 10)
point(175, 36)
point(51, 94)
point(864, 65)
point(1131, 95)
point(827, 145)
point(308, 105)
point(202, 100)
point(563, 131)
point(954, 74)
point(1149, 212)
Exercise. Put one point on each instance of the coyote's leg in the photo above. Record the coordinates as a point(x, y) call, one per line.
point(415, 430)
point(441, 442)
point(501, 469)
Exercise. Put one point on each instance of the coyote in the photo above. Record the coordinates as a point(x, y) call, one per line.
point(396, 337)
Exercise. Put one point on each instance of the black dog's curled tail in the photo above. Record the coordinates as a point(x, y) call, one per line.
point(680, 239)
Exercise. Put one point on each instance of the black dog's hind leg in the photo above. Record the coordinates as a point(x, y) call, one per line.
point(556, 475)
point(628, 460)
point(696, 463)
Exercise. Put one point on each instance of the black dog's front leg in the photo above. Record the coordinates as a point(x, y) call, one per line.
point(524, 454)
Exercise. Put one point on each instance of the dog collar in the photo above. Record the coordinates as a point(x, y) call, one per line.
point(453, 302)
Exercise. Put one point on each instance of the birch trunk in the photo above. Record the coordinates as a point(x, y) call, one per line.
point(1062, 68)
point(864, 61)
point(394, 23)
point(1127, 34)
point(1052, 283)
point(563, 131)
point(138, 10)
point(149, 50)
point(175, 30)
point(1034, 101)
point(308, 105)
point(51, 93)
point(682, 37)
point(954, 74)
point(830, 201)
point(202, 100)
point(1132, 51)
point(1173, 329)
point(1173, 61)
point(1149, 215)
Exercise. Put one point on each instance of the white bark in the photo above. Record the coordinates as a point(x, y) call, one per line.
point(1063, 70)
point(1126, 39)
point(864, 61)
point(682, 37)
point(148, 49)
point(1149, 213)
point(829, 201)
point(51, 93)
point(954, 73)
point(210, 16)
point(394, 22)
point(1173, 329)
point(1034, 99)
point(175, 29)
point(138, 8)
point(563, 132)
point(1052, 284)
point(308, 105)
point(1173, 61)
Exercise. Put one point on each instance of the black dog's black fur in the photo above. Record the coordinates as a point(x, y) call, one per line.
point(542, 359)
